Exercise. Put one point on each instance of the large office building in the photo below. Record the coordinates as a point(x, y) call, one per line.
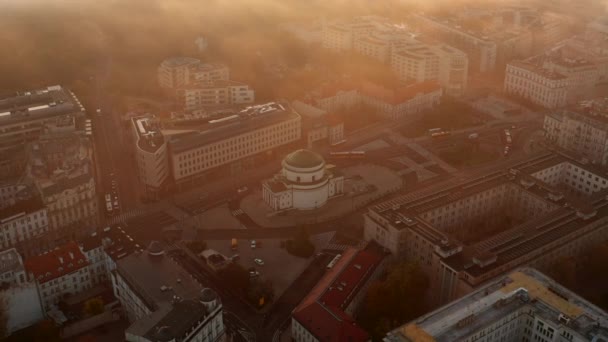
point(319, 126)
point(419, 62)
point(534, 83)
point(467, 231)
point(524, 305)
point(25, 115)
point(327, 313)
point(581, 129)
point(163, 302)
point(179, 153)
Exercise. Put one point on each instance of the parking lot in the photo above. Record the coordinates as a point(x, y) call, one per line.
point(279, 266)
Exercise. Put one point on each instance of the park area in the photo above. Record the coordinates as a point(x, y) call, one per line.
point(450, 115)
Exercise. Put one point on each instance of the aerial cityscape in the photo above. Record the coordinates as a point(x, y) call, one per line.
point(290, 171)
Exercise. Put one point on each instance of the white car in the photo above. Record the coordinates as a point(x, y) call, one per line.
point(253, 274)
point(259, 262)
point(253, 244)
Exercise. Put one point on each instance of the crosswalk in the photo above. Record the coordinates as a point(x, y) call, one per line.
point(122, 217)
point(238, 212)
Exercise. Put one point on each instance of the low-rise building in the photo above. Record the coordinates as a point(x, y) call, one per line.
point(163, 302)
point(20, 300)
point(327, 313)
point(60, 272)
point(524, 305)
point(318, 126)
point(304, 183)
point(25, 115)
point(581, 129)
point(536, 84)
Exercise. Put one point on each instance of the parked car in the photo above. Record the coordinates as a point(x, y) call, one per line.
point(254, 274)
point(253, 244)
point(259, 262)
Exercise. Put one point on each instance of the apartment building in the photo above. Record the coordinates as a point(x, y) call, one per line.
point(341, 36)
point(524, 305)
point(326, 313)
point(24, 225)
point(151, 154)
point(174, 72)
point(234, 141)
point(419, 62)
point(24, 115)
point(536, 84)
point(162, 302)
point(215, 93)
point(61, 167)
point(59, 272)
point(581, 129)
point(21, 303)
point(318, 126)
point(536, 201)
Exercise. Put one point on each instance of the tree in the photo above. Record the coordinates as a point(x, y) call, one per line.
point(196, 246)
point(93, 306)
point(394, 300)
point(236, 276)
point(301, 245)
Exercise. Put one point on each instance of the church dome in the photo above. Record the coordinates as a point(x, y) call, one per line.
point(304, 159)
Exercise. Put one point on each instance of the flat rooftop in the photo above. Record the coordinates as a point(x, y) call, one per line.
point(247, 120)
point(525, 288)
point(150, 137)
point(157, 278)
point(50, 102)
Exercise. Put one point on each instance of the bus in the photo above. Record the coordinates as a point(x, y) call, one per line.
point(440, 134)
point(333, 261)
point(348, 155)
point(435, 130)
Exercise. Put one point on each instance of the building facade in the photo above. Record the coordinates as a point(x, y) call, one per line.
point(151, 153)
point(524, 305)
point(582, 130)
point(175, 72)
point(24, 225)
point(216, 93)
point(527, 199)
point(304, 183)
point(536, 84)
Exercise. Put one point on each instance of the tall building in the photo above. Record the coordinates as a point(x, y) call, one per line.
point(25, 115)
point(163, 302)
point(420, 62)
point(536, 84)
point(327, 313)
point(581, 129)
point(61, 167)
point(465, 232)
point(524, 305)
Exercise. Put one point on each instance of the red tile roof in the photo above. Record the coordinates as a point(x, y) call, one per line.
point(322, 311)
point(56, 263)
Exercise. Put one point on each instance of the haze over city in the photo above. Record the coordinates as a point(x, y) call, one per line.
point(265, 170)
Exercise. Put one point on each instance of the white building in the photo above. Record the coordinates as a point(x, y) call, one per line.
point(304, 183)
point(215, 93)
point(163, 302)
point(536, 84)
point(60, 272)
point(582, 130)
point(233, 140)
point(420, 62)
point(20, 300)
point(522, 306)
point(175, 72)
point(25, 226)
point(151, 154)
point(318, 125)
point(582, 75)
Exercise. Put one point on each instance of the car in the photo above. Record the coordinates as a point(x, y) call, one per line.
point(98, 111)
point(253, 244)
point(254, 274)
point(242, 190)
point(259, 262)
